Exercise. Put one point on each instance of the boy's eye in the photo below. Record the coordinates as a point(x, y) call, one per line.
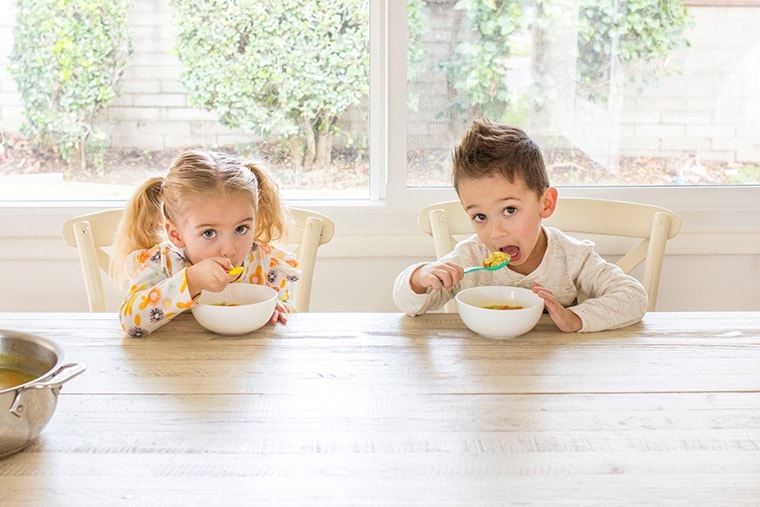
point(509, 210)
point(208, 233)
point(478, 217)
point(241, 229)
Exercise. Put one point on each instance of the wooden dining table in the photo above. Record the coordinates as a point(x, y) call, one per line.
point(384, 409)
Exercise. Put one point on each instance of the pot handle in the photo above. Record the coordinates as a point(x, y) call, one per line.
point(58, 378)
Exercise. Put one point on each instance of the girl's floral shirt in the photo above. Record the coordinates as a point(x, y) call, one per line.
point(158, 284)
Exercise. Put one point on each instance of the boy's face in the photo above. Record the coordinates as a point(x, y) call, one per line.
point(220, 226)
point(507, 217)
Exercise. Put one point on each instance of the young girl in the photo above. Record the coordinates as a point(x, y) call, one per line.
point(183, 233)
point(501, 180)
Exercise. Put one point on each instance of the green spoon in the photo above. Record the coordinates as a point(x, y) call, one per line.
point(489, 268)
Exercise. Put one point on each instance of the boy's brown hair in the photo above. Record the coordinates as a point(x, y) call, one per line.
point(496, 148)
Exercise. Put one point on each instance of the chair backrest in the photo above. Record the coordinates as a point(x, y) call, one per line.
point(311, 231)
point(447, 222)
point(94, 233)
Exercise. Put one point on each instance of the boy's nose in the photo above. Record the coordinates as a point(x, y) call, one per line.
point(498, 229)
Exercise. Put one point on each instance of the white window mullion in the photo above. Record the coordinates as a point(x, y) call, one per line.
point(378, 100)
point(397, 97)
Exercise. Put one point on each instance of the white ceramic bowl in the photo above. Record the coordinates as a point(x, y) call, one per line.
point(240, 308)
point(499, 324)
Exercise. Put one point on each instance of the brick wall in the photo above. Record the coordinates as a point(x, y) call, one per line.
point(715, 115)
point(712, 109)
point(152, 110)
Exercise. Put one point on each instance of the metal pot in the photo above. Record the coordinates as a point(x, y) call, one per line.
point(25, 409)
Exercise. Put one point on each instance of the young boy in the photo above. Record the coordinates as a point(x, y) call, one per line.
point(501, 180)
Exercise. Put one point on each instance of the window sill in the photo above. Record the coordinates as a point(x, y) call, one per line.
point(704, 211)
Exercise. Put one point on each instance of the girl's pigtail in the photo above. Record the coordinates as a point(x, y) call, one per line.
point(272, 218)
point(141, 226)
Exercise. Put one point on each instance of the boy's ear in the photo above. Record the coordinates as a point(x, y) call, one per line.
point(548, 202)
point(173, 234)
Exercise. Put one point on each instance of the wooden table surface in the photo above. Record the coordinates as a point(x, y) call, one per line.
point(389, 410)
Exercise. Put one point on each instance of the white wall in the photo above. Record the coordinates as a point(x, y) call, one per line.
point(718, 270)
point(689, 282)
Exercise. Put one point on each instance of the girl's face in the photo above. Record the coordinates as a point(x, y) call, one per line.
point(507, 217)
point(220, 226)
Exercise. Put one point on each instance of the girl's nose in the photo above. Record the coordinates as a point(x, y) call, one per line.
point(226, 248)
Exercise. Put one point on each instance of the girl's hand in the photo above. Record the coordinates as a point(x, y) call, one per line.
point(564, 319)
point(209, 274)
point(279, 314)
point(436, 275)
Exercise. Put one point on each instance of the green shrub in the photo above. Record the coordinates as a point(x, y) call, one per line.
point(635, 36)
point(476, 71)
point(284, 68)
point(66, 59)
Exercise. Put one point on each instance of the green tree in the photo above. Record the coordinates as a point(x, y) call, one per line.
point(285, 68)
point(66, 59)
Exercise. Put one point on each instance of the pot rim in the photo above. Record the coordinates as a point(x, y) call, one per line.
point(43, 342)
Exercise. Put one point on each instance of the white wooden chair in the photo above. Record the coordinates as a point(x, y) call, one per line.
point(93, 234)
point(653, 226)
point(311, 231)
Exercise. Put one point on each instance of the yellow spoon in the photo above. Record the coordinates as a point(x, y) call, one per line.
point(235, 271)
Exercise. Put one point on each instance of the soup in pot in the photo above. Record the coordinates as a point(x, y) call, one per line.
point(10, 377)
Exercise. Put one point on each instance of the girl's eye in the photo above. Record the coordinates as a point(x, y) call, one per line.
point(209, 233)
point(509, 210)
point(242, 229)
point(479, 217)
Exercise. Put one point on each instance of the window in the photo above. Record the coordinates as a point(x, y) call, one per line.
point(643, 110)
point(621, 93)
point(216, 75)
point(664, 112)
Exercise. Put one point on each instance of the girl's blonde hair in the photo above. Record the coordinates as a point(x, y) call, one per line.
point(193, 176)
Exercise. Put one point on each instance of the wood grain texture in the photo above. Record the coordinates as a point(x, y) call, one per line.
point(385, 409)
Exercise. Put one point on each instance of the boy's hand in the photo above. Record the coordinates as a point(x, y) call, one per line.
point(563, 318)
point(436, 275)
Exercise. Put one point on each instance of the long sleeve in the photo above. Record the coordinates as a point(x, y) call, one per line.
point(596, 290)
point(274, 267)
point(469, 252)
point(607, 297)
point(412, 303)
point(159, 292)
